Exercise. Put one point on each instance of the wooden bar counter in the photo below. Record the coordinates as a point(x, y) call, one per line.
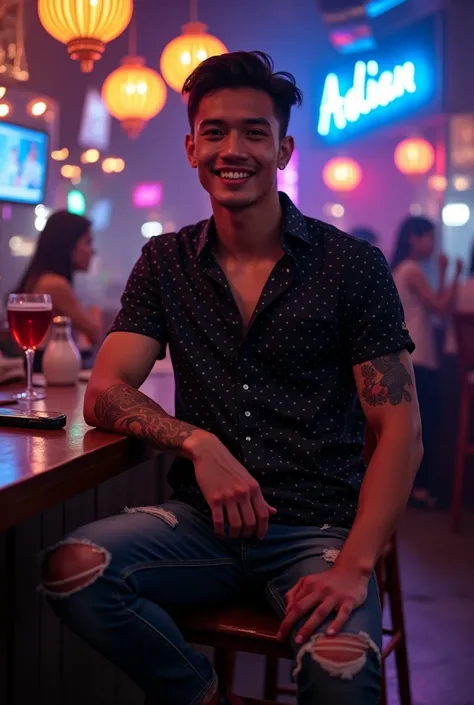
point(50, 483)
point(39, 469)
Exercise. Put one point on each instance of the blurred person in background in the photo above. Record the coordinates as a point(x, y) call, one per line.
point(64, 247)
point(362, 233)
point(415, 246)
point(464, 303)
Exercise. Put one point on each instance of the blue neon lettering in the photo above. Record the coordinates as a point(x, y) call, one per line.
point(369, 91)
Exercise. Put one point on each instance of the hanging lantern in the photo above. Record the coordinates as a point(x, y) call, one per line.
point(184, 53)
point(342, 174)
point(85, 26)
point(414, 156)
point(134, 94)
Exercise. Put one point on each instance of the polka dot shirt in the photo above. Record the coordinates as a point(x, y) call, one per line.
point(282, 398)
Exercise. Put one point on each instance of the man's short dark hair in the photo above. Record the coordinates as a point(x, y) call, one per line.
point(243, 69)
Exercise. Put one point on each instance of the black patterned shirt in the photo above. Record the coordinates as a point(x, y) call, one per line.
point(282, 396)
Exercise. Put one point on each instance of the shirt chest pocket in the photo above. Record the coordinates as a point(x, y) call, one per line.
point(299, 341)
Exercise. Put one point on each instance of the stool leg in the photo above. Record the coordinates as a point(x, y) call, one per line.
point(458, 483)
point(271, 678)
point(224, 666)
point(383, 686)
point(398, 623)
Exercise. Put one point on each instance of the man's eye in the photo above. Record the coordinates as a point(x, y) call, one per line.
point(256, 133)
point(214, 132)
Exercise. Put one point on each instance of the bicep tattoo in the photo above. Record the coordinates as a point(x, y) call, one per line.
point(386, 379)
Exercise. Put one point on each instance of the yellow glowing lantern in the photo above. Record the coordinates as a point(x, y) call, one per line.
point(113, 165)
point(71, 171)
point(90, 156)
point(184, 53)
point(85, 26)
point(5, 109)
point(414, 156)
point(134, 94)
point(3, 90)
point(342, 174)
point(37, 107)
point(59, 155)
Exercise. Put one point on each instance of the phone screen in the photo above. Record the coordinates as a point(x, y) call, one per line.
point(20, 413)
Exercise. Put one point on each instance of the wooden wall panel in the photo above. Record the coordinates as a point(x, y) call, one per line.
point(49, 665)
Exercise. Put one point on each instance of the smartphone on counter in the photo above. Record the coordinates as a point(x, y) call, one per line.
point(34, 420)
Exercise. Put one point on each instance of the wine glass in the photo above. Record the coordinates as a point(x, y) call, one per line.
point(29, 316)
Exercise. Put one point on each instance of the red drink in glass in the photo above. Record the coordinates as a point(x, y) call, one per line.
point(29, 323)
point(29, 316)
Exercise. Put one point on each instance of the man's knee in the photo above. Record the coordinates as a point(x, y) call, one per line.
point(344, 669)
point(71, 566)
point(342, 656)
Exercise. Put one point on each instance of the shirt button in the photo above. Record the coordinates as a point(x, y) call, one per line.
point(247, 413)
point(247, 438)
point(245, 386)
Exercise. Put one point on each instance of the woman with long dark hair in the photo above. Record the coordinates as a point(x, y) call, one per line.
point(64, 247)
point(415, 244)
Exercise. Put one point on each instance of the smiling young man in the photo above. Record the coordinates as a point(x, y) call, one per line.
point(274, 322)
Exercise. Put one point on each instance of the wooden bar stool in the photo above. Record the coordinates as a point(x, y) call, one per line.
point(464, 326)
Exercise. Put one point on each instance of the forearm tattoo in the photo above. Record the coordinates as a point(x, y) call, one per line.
point(386, 379)
point(126, 410)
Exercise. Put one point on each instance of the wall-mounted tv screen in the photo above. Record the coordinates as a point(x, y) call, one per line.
point(23, 164)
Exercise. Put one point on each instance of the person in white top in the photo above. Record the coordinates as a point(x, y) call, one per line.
point(415, 244)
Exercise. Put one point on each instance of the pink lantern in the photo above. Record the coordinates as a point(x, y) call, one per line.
point(342, 174)
point(148, 195)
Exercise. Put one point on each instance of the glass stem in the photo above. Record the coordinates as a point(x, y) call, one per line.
point(30, 354)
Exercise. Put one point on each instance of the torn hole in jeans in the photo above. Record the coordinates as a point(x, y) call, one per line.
point(167, 516)
point(342, 656)
point(90, 575)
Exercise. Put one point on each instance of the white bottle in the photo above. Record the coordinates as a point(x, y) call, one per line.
point(61, 359)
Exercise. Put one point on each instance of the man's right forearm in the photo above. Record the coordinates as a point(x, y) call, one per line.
point(124, 409)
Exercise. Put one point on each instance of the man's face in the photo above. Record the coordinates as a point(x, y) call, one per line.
point(236, 147)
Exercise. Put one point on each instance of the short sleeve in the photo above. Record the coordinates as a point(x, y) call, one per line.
point(142, 309)
point(371, 311)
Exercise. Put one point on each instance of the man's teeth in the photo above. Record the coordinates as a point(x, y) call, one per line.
point(234, 174)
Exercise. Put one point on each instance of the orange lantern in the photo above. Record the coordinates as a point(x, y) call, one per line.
point(414, 156)
point(85, 26)
point(134, 94)
point(342, 174)
point(184, 53)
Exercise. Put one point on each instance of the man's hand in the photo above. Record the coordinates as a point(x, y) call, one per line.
point(227, 486)
point(335, 590)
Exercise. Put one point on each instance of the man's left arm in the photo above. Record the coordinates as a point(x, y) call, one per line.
point(387, 393)
point(378, 343)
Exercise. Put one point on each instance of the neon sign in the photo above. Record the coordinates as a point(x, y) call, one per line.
point(394, 81)
point(370, 90)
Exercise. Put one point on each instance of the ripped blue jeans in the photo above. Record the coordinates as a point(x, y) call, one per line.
point(158, 558)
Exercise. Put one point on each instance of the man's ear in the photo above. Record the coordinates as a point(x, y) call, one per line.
point(189, 147)
point(287, 145)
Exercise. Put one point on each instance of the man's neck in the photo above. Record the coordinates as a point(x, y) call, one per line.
point(250, 233)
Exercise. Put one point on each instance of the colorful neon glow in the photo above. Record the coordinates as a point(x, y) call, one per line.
point(370, 90)
point(148, 195)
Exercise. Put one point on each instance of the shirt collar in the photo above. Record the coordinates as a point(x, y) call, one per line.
point(294, 226)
